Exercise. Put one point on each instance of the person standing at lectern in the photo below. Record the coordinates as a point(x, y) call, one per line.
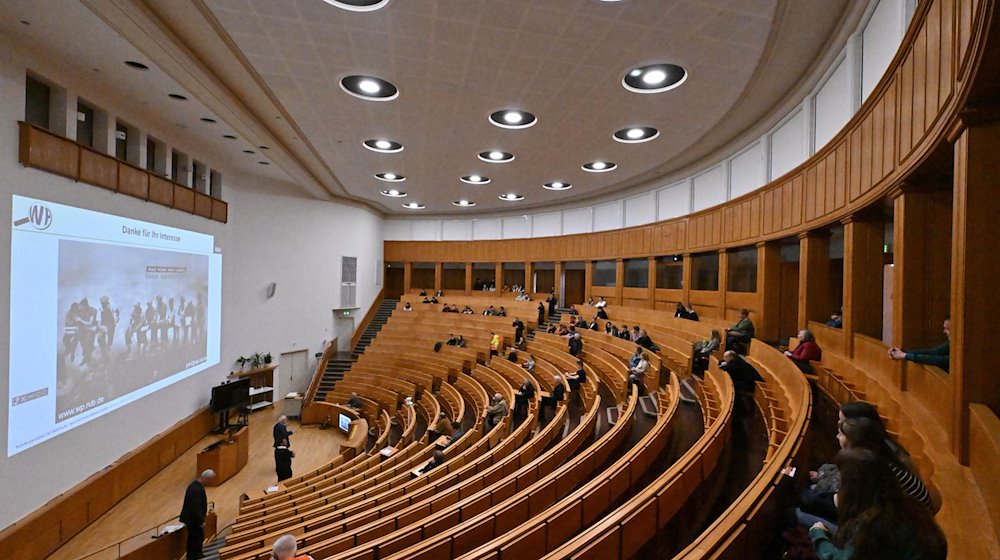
point(193, 513)
point(281, 431)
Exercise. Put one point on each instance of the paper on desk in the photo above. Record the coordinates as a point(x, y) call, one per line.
point(270, 489)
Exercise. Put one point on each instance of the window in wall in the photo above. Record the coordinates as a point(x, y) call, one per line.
point(150, 154)
point(215, 186)
point(199, 178)
point(84, 124)
point(670, 272)
point(179, 168)
point(705, 271)
point(605, 273)
point(484, 275)
point(36, 102)
point(121, 141)
point(636, 273)
point(743, 270)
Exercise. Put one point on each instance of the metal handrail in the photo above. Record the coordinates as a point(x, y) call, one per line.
point(153, 533)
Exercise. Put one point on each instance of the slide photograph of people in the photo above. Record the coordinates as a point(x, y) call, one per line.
point(127, 317)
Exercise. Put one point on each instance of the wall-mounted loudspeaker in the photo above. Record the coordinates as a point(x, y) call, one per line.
point(271, 288)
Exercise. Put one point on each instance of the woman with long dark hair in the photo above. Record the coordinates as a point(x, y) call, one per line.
point(863, 433)
point(877, 520)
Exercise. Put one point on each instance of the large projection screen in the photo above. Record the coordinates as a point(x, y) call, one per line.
point(104, 310)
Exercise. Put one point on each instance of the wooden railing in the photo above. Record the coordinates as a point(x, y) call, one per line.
point(57, 154)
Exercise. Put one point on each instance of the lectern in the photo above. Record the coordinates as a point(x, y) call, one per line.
point(226, 457)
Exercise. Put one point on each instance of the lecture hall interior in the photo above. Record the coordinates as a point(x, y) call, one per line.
point(246, 210)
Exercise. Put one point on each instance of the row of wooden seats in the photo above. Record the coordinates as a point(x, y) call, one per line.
point(614, 374)
point(498, 294)
point(631, 315)
point(523, 309)
point(624, 350)
point(555, 525)
point(416, 371)
point(333, 512)
point(436, 309)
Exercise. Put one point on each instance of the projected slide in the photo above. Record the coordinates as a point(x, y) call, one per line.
point(104, 310)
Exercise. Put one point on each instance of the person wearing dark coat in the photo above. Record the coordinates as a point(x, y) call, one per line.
point(552, 301)
point(575, 345)
point(745, 378)
point(281, 432)
point(541, 314)
point(193, 513)
point(283, 461)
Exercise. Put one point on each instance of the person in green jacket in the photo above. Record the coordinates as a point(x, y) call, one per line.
point(937, 356)
point(877, 520)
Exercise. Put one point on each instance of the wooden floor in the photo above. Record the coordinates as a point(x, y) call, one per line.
point(161, 497)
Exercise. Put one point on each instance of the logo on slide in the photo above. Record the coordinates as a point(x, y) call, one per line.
point(39, 215)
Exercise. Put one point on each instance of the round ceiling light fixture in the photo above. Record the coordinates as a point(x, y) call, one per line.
point(513, 118)
point(511, 197)
point(393, 193)
point(390, 177)
point(136, 65)
point(463, 203)
point(359, 5)
point(654, 78)
point(475, 179)
point(208, 120)
point(383, 146)
point(414, 206)
point(636, 134)
point(229, 137)
point(599, 166)
point(177, 96)
point(369, 88)
point(557, 186)
point(496, 156)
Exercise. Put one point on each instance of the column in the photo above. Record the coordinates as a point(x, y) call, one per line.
point(438, 276)
point(529, 277)
point(499, 277)
point(768, 290)
point(814, 270)
point(62, 111)
point(588, 280)
point(651, 275)
point(468, 278)
point(921, 271)
point(557, 282)
point(723, 281)
point(407, 276)
point(864, 235)
point(974, 271)
point(686, 279)
point(620, 281)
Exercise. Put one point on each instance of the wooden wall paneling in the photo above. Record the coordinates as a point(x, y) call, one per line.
point(854, 165)
point(220, 210)
point(407, 277)
point(919, 54)
point(963, 37)
point(814, 264)
point(686, 274)
point(202, 205)
point(947, 47)
point(620, 280)
point(723, 282)
point(889, 131)
point(133, 181)
point(975, 209)
point(706, 303)
point(863, 240)
point(878, 141)
point(866, 154)
point(98, 169)
point(932, 52)
point(984, 456)
point(439, 277)
point(905, 136)
point(588, 279)
point(183, 198)
point(842, 187)
point(45, 150)
point(810, 196)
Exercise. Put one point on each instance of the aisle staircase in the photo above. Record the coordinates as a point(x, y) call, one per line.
point(211, 549)
point(342, 361)
point(553, 318)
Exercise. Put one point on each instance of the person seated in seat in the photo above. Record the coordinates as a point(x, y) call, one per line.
point(285, 548)
point(496, 412)
point(806, 351)
point(442, 427)
point(624, 333)
point(600, 303)
point(593, 326)
point(558, 394)
point(423, 293)
point(444, 308)
point(581, 323)
point(637, 373)
point(434, 299)
point(646, 342)
point(836, 320)
point(938, 356)
point(522, 397)
point(552, 328)
point(489, 311)
point(702, 350)
point(458, 431)
point(439, 293)
point(745, 378)
point(590, 302)
point(740, 333)
point(602, 314)
point(468, 311)
point(530, 363)
point(354, 401)
point(461, 341)
point(501, 312)
point(562, 330)
point(634, 333)
point(609, 328)
point(407, 307)
point(437, 459)
point(426, 300)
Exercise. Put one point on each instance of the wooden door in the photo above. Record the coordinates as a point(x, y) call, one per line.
point(574, 284)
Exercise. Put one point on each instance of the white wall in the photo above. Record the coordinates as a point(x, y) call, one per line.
point(274, 234)
point(806, 128)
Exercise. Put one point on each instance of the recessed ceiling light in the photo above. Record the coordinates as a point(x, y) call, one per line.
point(463, 203)
point(25, 22)
point(557, 186)
point(136, 65)
point(264, 147)
point(369, 87)
point(599, 166)
point(382, 145)
point(229, 137)
point(177, 96)
point(636, 134)
point(208, 120)
point(475, 179)
point(358, 5)
point(248, 151)
point(511, 197)
point(414, 206)
point(512, 118)
point(263, 163)
point(393, 193)
point(390, 177)
point(654, 78)
point(496, 156)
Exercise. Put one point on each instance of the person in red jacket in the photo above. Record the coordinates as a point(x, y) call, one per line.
point(806, 351)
